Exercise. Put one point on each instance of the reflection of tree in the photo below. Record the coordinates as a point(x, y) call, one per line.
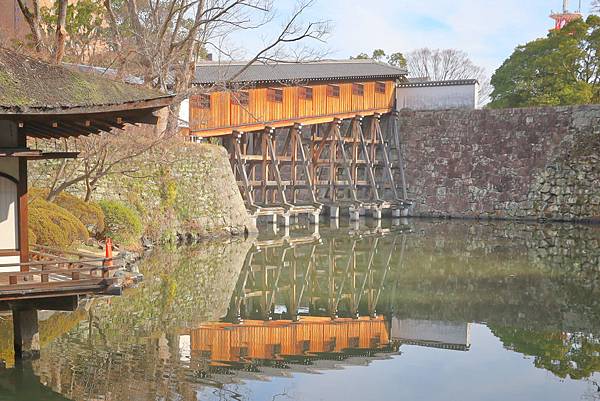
point(134, 339)
point(575, 355)
point(529, 285)
point(51, 328)
point(21, 384)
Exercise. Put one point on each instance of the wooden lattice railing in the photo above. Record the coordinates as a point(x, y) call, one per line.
point(52, 270)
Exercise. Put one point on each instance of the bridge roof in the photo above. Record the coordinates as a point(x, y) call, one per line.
point(421, 83)
point(211, 73)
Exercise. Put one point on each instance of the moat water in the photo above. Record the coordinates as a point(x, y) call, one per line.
point(409, 310)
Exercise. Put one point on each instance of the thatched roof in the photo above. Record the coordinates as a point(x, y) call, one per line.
point(31, 86)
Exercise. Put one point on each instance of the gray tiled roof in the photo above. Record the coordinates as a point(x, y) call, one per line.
point(331, 70)
point(424, 83)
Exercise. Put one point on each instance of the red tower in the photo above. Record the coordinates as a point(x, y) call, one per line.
point(562, 19)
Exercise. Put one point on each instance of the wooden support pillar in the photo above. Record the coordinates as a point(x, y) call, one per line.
point(307, 169)
point(368, 158)
point(26, 333)
point(285, 220)
point(314, 218)
point(354, 213)
point(334, 212)
point(274, 167)
point(398, 143)
point(346, 166)
point(240, 164)
point(388, 172)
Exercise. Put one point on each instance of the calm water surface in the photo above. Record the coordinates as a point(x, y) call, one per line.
point(423, 310)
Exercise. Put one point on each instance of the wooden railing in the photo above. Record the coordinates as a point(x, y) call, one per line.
point(56, 270)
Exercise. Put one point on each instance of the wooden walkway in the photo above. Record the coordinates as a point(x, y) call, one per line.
point(53, 274)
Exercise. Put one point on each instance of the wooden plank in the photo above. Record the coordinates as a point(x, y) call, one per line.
point(313, 120)
point(23, 205)
point(371, 174)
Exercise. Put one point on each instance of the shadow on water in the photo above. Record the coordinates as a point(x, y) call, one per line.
point(226, 314)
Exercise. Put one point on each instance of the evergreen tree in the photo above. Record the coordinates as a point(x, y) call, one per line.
point(561, 69)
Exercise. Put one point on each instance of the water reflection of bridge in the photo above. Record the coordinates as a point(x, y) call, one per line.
point(329, 276)
point(305, 300)
point(300, 304)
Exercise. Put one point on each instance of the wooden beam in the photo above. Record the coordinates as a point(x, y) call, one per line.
point(275, 166)
point(370, 172)
point(387, 165)
point(322, 119)
point(54, 155)
point(23, 204)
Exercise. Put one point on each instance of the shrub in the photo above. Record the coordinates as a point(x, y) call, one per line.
point(121, 222)
point(32, 236)
point(53, 225)
point(89, 213)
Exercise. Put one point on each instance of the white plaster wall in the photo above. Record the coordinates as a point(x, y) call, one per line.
point(9, 227)
point(8, 215)
point(7, 260)
point(431, 331)
point(438, 97)
point(184, 113)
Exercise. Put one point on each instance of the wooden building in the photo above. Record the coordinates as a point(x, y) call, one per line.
point(281, 95)
point(304, 135)
point(38, 100)
point(280, 339)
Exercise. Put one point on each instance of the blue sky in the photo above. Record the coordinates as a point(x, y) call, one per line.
point(488, 30)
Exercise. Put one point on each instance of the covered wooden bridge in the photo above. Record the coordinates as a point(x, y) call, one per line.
point(38, 100)
point(306, 135)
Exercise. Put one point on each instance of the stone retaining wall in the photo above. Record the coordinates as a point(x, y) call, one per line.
point(530, 163)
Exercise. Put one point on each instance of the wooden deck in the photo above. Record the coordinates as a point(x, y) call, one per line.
point(55, 274)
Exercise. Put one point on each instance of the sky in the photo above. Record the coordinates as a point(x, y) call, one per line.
point(488, 30)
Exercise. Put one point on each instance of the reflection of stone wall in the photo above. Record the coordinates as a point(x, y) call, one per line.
point(512, 163)
point(129, 346)
point(508, 274)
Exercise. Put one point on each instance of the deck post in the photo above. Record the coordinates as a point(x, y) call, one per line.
point(285, 219)
point(354, 214)
point(377, 214)
point(26, 333)
point(334, 212)
point(314, 218)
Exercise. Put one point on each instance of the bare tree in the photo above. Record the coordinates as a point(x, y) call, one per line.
point(161, 41)
point(101, 156)
point(32, 16)
point(596, 6)
point(447, 64)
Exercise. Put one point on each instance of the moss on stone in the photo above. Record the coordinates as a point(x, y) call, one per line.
point(27, 83)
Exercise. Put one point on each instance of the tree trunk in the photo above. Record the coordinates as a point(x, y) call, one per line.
point(61, 31)
point(33, 20)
